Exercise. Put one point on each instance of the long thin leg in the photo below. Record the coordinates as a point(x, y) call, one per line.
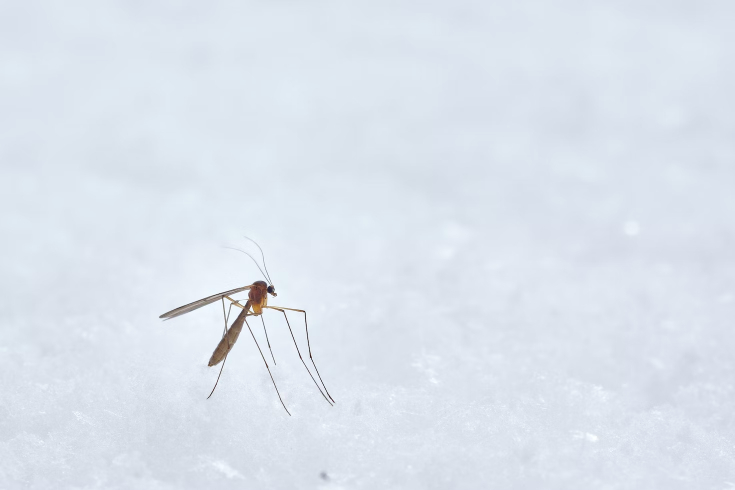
point(266, 366)
point(266, 339)
point(308, 344)
point(220, 374)
point(226, 317)
point(299, 352)
point(235, 302)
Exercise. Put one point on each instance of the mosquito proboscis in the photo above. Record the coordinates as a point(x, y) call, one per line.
point(257, 301)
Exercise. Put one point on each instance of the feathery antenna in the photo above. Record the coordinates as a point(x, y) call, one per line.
point(253, 259)
point(262, 256)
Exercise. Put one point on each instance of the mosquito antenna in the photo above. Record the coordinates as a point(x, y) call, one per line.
point(253, 259)
point(262, 255)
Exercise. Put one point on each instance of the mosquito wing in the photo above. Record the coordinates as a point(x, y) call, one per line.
point(199, 303)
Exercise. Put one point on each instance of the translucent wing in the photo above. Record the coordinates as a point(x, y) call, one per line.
point(199, 303)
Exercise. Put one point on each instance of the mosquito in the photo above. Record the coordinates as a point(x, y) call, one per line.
point(257, 301)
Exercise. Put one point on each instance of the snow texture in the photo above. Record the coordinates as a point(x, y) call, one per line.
point(512, 225)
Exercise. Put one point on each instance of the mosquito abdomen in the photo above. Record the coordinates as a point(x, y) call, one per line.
point(228, 341)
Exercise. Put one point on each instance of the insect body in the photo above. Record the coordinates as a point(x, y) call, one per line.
point(257, 300)
point(258, 293)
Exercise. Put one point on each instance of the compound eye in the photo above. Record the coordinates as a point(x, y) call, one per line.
point(271, 289)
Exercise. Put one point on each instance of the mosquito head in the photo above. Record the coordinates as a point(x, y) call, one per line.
point(272, 290)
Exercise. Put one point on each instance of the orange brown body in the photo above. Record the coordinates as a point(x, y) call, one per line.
point(258, 297)
point(257, 300)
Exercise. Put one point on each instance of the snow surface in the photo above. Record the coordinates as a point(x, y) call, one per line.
point(512, 224)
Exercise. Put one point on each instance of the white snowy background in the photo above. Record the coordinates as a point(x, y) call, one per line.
point(512, 225)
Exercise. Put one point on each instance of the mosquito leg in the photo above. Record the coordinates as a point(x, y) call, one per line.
point(266, 366)
point(306, 324)
point(226, 317)
point(239, 305)
point(307, 343)
point(266, 339)
point(299, 352)
point(220, 374)
point(235, 302)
